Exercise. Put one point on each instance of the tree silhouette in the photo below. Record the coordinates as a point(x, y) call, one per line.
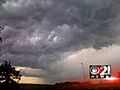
point(9, 77)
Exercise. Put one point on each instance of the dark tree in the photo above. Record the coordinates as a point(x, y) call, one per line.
point(9, 77)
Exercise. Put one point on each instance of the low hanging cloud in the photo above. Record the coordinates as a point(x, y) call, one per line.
point(70, 68)
point(38, 33)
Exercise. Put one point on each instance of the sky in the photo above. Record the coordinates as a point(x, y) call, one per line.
point(48, 39)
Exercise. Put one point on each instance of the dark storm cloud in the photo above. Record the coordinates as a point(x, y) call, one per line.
point(39, 32)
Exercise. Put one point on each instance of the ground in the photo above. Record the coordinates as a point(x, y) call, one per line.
point(70, 86)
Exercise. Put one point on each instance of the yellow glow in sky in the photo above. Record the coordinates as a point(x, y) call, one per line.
point(32, 80)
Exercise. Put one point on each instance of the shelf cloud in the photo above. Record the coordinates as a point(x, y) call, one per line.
point(40, 33)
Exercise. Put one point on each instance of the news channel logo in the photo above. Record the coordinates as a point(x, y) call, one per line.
point(100, 71)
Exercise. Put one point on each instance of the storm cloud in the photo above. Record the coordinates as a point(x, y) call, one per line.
point(39, 33)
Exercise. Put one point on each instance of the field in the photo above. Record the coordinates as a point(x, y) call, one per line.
point(71, 86)
point(68, 86)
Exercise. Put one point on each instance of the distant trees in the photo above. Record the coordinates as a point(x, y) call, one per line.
point(9, 77)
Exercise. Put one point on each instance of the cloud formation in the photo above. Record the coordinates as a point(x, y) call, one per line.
point(39, 32)
point(70, 68)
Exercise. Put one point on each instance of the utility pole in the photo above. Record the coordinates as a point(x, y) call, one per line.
point(83, 71)
point(1, 28)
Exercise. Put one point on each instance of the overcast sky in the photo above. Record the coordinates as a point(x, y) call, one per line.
point(49, 39)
